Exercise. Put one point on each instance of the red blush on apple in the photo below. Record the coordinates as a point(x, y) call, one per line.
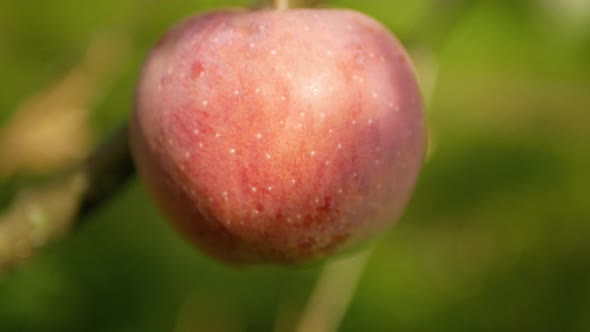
point(278, 136)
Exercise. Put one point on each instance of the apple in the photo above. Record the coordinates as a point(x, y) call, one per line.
point(278, 136)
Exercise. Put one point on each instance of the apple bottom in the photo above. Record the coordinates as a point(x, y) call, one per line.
point(195, 218)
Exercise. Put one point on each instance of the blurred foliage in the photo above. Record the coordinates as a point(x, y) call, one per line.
point(497, 236)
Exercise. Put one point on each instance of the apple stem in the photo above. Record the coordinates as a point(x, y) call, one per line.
point(40, 215)
point(280, 4)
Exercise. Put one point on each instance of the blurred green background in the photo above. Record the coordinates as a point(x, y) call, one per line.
point(496, 238)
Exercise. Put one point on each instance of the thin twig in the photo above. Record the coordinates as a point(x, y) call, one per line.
point(39, 216)
point(107, 170)
point(332, 294)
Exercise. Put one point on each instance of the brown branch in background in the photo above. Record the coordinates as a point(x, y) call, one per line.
point(51, 128)
point(107, 170)
point(39, 216)
point(49, 131)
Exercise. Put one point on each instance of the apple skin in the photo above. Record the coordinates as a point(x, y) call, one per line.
point(278, 136)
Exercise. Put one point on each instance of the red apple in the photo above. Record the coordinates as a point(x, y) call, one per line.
point(278, 136)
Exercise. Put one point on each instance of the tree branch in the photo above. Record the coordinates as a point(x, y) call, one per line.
point(107, 169)
point(39, 216)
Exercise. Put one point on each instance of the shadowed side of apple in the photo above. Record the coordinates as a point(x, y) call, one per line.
point(278, 135)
